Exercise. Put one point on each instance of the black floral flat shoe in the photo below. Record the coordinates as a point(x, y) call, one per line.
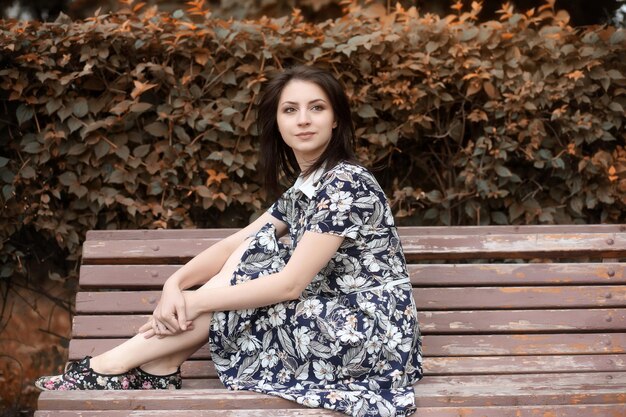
point(79, 376)
point(145, 380)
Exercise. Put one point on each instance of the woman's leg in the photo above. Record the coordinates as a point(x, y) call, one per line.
point(162, 356)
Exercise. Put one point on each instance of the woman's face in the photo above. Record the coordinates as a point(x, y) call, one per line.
point(305, 120)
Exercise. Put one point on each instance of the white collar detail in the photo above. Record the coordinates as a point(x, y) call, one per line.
point(307, 185)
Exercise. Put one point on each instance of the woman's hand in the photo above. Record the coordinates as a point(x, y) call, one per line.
point(148, 329)
point(169, 316)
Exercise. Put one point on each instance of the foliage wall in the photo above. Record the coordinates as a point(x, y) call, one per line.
point(582, 12)
point(144, 120)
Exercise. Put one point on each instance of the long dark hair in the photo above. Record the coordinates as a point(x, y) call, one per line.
point(276, 157)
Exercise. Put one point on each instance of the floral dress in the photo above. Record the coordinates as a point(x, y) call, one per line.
point(351, 342)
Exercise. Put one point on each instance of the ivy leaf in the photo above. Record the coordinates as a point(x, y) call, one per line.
point(28, 172)
point(141, 151)
point(24, 113)
point(366, 111)
point(431, 213)
point(503, 171)
point(53, 105)
point(499, 217)
point(204, 191)
point(469, 34)
point(68, 178)
point(64, 112)
point(515, 211)
point(229, 111)
point(117, 177)
point(101, 149)
point(140, 107)
point(8, 191)
point(74, 124)
point(123, 152)
point(158, 129)
point(6, 175)
point(80, 108)
point(225, 127)
point(121, 107)
point(435, 196)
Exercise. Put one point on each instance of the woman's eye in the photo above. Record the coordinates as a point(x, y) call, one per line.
point(317, 108)
point(289, 109)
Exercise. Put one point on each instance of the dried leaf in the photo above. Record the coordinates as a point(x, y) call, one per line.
point(140, 107)
point(141, 88)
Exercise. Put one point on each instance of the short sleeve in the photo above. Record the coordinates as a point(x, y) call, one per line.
point(282, 207)
point(345, 203)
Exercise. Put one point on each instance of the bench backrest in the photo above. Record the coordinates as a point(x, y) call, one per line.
point(492, 299)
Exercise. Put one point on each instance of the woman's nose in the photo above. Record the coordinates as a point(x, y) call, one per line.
point(303, 118)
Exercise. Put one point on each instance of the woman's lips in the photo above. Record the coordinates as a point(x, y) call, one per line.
point(305, 135)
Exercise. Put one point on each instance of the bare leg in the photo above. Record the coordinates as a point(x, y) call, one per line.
point(161, 356)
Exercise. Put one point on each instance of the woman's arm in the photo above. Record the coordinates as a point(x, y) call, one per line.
point(313, 252)
point(170, 316)
point(210, 261)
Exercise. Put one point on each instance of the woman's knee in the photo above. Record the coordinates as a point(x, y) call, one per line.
point(233, 260)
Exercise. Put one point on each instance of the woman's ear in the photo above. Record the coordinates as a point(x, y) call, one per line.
point(334, 124)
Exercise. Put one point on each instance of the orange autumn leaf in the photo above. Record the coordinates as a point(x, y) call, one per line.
point(141, 88)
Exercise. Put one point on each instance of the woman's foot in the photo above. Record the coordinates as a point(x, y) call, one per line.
point(145, 380)
point(80, 376)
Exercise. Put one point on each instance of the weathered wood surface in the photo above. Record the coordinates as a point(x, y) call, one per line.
point(154, 276)
point(449, 345)
point(431, 322)
point(543, 334)
point(429, 299)
point(479, 365)
point(460, 391)
point(521, 246)
point(403, 231)
point(595, 410)
point(483, 365)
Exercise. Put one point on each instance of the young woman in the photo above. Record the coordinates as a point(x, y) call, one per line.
point(327, 320)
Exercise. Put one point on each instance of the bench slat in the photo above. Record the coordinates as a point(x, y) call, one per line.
point(522, 321)
point(428, 299)
point(431, 322)
point(154, 234)
point(594, 410)
point(517, 274)
point(493, 365)
point(403, 231)
point(154, 276)
point(462, 391)
point(522, 246)
point(471, 380)
point(192, 413)
point(448, 345)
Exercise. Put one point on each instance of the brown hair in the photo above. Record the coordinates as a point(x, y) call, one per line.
point(276, 157)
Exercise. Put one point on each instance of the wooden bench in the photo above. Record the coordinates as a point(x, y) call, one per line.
point(517, 321)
